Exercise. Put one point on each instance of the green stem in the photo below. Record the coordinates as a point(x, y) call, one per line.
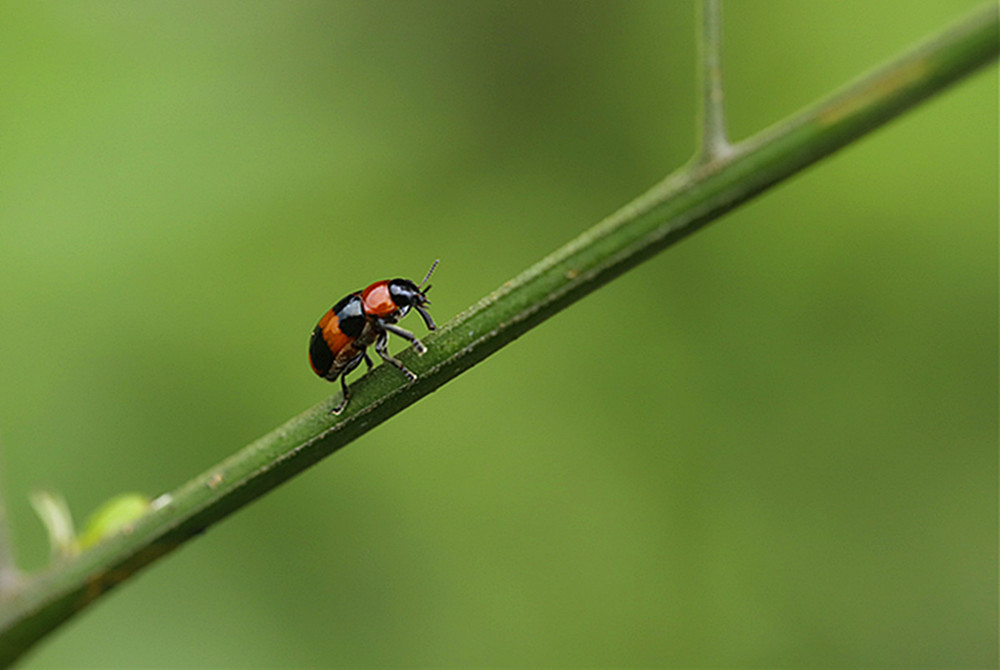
point(10, 577)
point(671, 210)
point(712, 122)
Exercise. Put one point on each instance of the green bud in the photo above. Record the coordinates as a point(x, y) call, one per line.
point(112, 517)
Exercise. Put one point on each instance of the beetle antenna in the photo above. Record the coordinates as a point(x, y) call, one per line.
point(429, 273)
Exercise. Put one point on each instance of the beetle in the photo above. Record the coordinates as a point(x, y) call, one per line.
point(360, 319)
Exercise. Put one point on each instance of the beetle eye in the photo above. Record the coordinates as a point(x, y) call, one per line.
point(404, 292)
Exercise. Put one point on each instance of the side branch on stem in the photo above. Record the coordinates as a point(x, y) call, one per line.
point(714, 145)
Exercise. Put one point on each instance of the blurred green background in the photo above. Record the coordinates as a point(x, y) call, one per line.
point(775, 444)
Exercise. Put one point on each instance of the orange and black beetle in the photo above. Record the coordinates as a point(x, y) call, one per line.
point(364, 318)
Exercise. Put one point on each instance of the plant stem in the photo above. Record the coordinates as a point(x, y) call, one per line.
point(712, 122)
point(671, 210)
point(10, 577)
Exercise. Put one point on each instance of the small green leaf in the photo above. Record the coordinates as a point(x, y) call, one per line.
point(112, 517)
point(54, 513)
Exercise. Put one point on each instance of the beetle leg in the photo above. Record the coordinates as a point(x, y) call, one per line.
point(354, 362)
point(345, 396)
point(428, 321)
point(368, 361)
point(392, 328)
point(383, 351)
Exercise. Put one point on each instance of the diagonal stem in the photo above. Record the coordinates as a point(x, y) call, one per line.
point(10, 577)
point(671, 210)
